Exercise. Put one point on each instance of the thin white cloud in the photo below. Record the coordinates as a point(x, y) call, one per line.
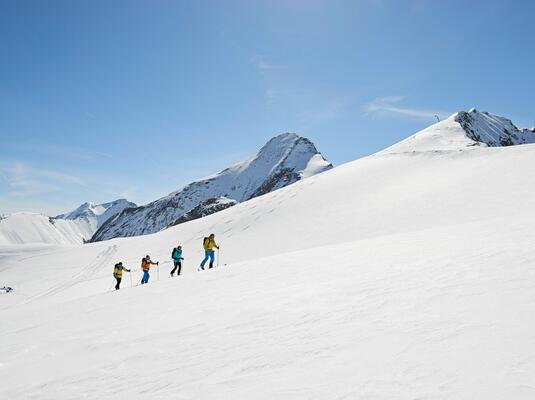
point(24, 180)
point(260, 63)
point(389, 106)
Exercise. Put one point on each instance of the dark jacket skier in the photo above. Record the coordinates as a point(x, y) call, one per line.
point(176, 255)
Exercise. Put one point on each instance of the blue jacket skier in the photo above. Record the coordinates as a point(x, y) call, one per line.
point(176, 255)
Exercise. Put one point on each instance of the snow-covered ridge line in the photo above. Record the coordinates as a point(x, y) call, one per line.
point(283, 160)
point(75, 227)
point(462, 131)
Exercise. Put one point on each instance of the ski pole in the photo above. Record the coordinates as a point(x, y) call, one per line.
point(218, 256)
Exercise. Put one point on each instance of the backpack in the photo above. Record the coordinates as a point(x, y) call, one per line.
point(173, 252)
point(204, 241)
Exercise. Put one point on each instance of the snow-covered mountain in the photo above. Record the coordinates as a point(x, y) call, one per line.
point(26, 227)
point(403, 275)
point(95, 215)
point(463, 130)
point(70, 228)
point(285, 159)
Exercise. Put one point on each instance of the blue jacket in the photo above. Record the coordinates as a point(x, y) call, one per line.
point(177, 255)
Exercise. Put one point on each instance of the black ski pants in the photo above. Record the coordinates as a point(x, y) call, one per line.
point(178, 267)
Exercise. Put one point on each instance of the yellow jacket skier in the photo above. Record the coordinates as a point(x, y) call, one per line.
point(209, 245)
point(118, 274)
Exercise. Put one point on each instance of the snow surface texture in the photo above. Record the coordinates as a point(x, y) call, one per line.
point(465, 129)
point(285, 159)
point(71, 228)
point(398, 276)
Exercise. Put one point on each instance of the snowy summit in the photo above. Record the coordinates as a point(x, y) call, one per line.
point(463, 130)
point(284, 160)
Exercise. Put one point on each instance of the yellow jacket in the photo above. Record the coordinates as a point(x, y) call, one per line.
point(209, 244)
point(118, 271)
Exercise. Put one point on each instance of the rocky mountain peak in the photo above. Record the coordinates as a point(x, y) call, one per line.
point(283, 160)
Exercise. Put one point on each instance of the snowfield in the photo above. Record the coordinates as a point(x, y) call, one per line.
point(403, 275)
point(72, 228)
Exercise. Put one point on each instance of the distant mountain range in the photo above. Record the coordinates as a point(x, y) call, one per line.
point(283, 160)
point(75, 227)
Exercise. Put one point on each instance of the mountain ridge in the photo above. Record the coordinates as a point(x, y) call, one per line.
point(283, 160)
point(464, 130)
point(74, 227)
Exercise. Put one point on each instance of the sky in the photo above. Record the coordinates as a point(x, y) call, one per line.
point(133, 99)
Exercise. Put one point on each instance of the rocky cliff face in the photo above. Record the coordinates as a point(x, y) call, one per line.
point(282, 161)
point(492, 130)
point(206, 208)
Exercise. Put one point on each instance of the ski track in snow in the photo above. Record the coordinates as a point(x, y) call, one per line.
point(102, 260)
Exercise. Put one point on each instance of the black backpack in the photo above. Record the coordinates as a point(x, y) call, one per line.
point(204, 241)
point(173, 252)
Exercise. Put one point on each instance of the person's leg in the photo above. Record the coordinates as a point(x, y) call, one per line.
point(212, 258)
point(174, 269)
point(117, 286)
point(179, 268)
point(147, 276)
point(206, 257)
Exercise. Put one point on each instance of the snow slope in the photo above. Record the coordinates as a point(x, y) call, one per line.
point(402, 275)
point(65, 229)
point(465, 129)
point(25, 227)
point(285, 159)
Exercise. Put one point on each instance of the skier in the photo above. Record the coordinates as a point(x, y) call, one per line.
point(7, 289)
point(118, 273)
point(146, 262)
point(209, 244)
point(176, 255)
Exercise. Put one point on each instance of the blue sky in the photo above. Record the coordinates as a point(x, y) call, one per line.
point(108, 99)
